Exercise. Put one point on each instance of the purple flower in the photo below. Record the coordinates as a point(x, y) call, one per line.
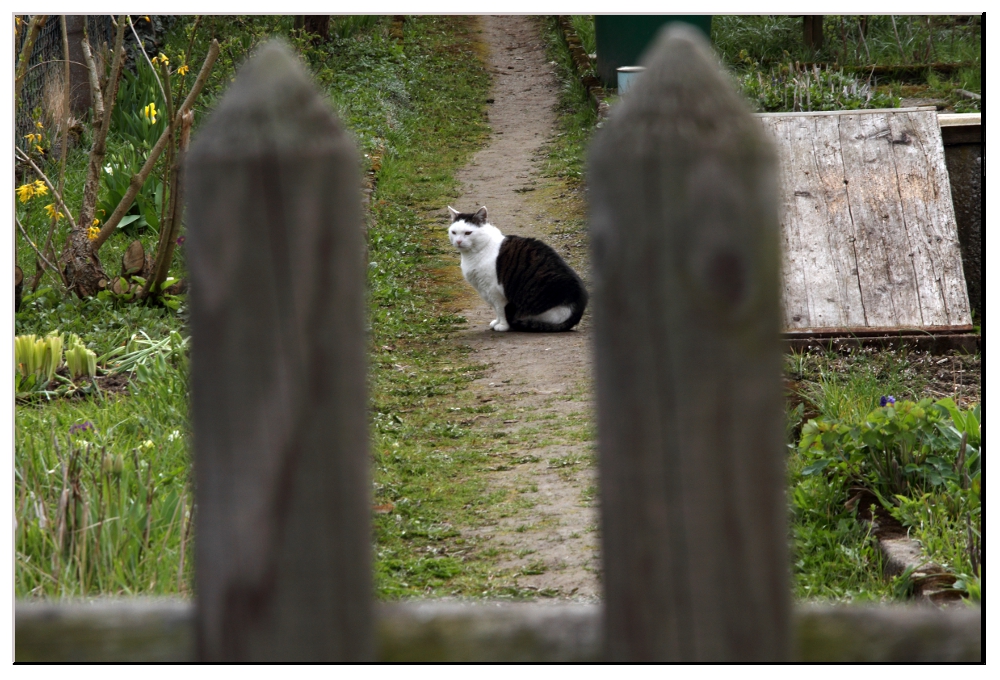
point(180, 240)
point(82, 427)
point(890, 400)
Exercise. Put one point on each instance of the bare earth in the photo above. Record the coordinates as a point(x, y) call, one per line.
point(542, 382)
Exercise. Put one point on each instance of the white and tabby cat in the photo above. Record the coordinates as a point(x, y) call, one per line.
point(527, 284)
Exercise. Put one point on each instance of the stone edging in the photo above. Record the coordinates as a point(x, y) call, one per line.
point(598, 94)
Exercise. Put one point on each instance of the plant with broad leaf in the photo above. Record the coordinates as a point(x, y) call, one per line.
point(901, 449)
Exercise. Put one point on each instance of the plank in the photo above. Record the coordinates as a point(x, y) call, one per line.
point(817, 228)
point(888, 279)
point(686, 257)
point(278, 398)
point(795, 303)
point(929, 218)
point(150, 630)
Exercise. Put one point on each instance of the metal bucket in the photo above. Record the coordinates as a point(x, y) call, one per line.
point(626, 76)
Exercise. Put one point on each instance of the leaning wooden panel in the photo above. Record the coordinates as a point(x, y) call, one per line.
point(685, 243)
point(867, 222)
point(278, 375)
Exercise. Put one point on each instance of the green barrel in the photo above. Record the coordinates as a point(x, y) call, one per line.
point(622, 38)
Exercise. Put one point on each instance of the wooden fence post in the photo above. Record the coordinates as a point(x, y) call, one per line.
point(278, 375)
point(685, 244)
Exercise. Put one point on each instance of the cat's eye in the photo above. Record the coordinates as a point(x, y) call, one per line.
point(467, 233)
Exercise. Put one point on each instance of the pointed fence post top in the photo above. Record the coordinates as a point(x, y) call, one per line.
point(683, 97)
point(272, 106)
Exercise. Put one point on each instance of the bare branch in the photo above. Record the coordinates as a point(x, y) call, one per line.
point(34, 27)
point(55, 194)
point(138, 40)
point(139, 179)
point(34, 247)
point(102, 125)
point(95, 88)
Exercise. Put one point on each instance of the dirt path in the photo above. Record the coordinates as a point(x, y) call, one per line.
point(539, 383)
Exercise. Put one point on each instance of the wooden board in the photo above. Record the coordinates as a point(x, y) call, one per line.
point(868, 227)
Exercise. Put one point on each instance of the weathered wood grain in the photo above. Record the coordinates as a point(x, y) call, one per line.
point(686, 256)
point(141, 630)
point(929, 216)
point(868, 228)
point(278, 375)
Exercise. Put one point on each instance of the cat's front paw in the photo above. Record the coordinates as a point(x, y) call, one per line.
point(501, 327)
point(493, 323)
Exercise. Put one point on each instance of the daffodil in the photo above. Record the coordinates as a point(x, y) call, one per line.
point(26, 192)
point(150, 112)
point(50, 209)
point(92, 233)
point(183, 70)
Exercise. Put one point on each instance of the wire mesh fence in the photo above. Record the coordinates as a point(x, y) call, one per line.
point(45, 72)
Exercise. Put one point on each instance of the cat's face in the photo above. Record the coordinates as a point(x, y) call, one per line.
point(465, 235)
point(466, 232)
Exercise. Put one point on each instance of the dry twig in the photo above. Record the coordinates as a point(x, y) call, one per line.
point(139, 179)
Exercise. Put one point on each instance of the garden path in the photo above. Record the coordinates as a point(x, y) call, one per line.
point(540, 384)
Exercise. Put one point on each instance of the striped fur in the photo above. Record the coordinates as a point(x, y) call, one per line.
point(529, 286)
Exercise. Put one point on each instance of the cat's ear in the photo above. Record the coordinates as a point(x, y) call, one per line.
point(454, 213)
point(481, 214)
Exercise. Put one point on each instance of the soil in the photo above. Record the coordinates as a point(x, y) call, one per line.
point(539, 382)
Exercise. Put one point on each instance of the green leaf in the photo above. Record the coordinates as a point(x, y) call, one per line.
point(816, 467)
point(127, 220)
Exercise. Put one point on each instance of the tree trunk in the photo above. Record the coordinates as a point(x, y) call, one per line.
point(318, 25)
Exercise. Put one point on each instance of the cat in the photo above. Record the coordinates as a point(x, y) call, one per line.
point(524, 280)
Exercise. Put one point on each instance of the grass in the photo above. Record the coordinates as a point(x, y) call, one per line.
point(419, 104)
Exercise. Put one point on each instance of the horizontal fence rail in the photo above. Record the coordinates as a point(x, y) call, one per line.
point(164, 630)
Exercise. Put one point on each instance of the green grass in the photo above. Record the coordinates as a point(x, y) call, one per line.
point(566, 155)
point(105, 510)
point(420, 104)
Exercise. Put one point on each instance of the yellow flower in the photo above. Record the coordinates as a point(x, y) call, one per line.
point(95, 222)
point(147, 19)
point(39, 149)
point(33, 138)
point(92, 233)
point(183, 70)
point(38, 124)
point(40, 188)
point(150, 112)
point(162, 59)
point(50, 209)
point(26, 192)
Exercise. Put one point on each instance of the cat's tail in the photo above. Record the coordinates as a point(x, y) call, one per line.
point(555, 320)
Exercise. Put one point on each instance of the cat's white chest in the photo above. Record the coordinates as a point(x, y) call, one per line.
point(480, 270)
